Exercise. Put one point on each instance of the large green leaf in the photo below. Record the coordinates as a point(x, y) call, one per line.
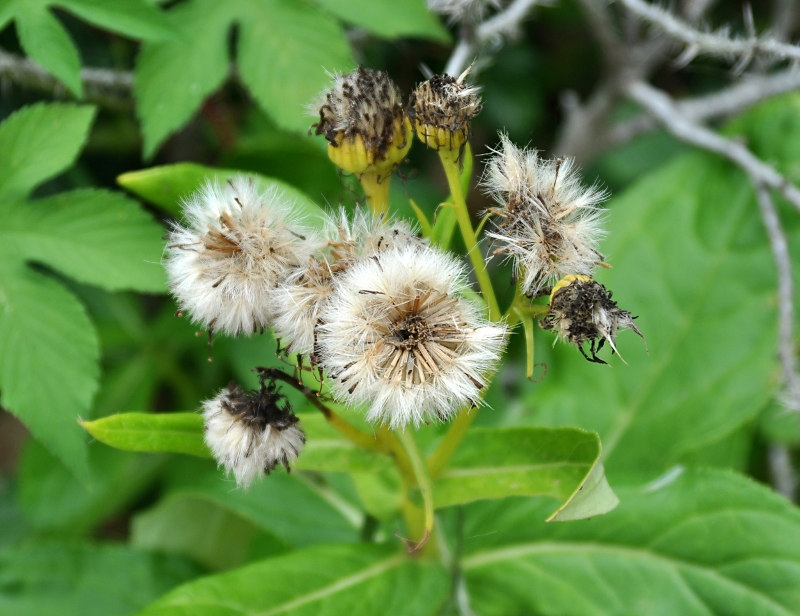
point(357, 579)
point(691, 543)
point(51, 578)
point(167, 185)
point(94, 236)
point(691, 258)
point(562, 463)
point(174, 75)
point(390, 19)
point(38, 142)
point(284, 52)
point(48, 360)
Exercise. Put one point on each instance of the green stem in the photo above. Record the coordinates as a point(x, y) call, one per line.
point(452, 439)
point(422, 480)
point(450, 165)
point(376, 189)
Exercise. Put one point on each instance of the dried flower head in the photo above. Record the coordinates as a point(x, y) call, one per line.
point(363, 118)
point(396, 336)
point(251, 432)
point(549, 223)
point(237, 243)
point(298, 301)
point(582, 310)
point(443, 108)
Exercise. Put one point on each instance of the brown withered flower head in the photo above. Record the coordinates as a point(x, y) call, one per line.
point(363, 118)
point(581, 310)
point(443, 108)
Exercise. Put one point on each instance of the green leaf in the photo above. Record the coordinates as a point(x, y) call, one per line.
point(38, 142)
point(201, 529)
point(50, 578)
point(286, 52)
point(134, 18)
point(151, 432)
point(359, 579)
point(48, 360)
point(44, 39)
point(561, 463)
point(389, 19)
point(325, 450)
point(94, 236)
point(691, 543)
point(173, 76)
point(167, 185)
point(55, 501)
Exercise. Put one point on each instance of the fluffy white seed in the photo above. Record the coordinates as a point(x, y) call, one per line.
point(548, 223)
point(244, 446)
point(235, 245)
point(397, 337)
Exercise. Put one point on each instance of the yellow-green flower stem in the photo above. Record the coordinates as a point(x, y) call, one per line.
point(449, 160)
point(376, 189)
point(422, 480)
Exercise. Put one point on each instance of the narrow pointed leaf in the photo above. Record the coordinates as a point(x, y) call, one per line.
point(409, 18)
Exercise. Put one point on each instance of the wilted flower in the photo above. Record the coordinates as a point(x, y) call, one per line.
point(251, 432)
point(236, 245)
point(582, 310)
point(363, 118)
point(551, 223)
point(443, 108)
point(298, 301)
point(397, 336)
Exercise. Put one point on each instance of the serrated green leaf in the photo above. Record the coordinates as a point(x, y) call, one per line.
point(94, 236)
point(133, 18)
point(389, 19)
point(167, 185)
point(48, 360)
point(562, 463)
point(52, 578)
point(358, 579)
point(44, 39)
point(38, 142)
point(173, 76)
point(151, 432)
point(691, 543)
point(286, 51)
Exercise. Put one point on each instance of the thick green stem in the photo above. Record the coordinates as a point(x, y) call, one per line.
point(452, 439)
point(450, 165)
point(422, 480)
point(376, 188)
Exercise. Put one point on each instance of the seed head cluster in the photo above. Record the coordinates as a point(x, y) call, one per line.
point(547, 222)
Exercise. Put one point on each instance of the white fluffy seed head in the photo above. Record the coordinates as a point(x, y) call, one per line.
point(250, 433)
point(397, 337)
point(298, 302)
point(235, 245)
point(548, 223)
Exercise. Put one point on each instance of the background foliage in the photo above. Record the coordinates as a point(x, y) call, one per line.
point(89, 176)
